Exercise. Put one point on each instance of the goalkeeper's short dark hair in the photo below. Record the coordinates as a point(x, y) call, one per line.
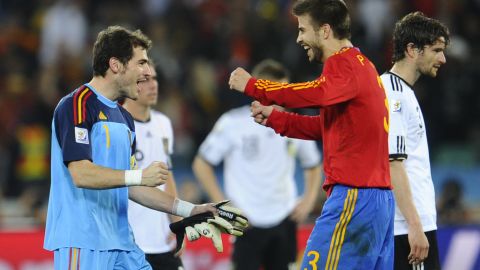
point(418, 29)
point(116, 41)
point(270, 69)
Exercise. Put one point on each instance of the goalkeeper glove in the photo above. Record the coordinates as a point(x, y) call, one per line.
point(234, 216)
point(204, 224)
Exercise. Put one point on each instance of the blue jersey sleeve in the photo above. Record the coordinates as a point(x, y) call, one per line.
point(73, 136)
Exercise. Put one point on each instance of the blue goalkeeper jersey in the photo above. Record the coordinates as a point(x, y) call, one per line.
point(88, 126)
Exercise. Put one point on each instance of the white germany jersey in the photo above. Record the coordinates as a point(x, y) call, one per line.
point(258, 167)
point(407, 140)
point(154, 143)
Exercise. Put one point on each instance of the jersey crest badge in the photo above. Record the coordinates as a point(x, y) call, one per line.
point(81, 135)
point(396, 106)
point(102, 116)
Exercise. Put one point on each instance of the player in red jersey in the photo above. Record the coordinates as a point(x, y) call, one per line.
point(355, 229)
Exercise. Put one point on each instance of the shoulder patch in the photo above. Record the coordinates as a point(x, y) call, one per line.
point(81, 135)
point(396, 105)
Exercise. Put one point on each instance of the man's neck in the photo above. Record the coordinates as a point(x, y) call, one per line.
point(103, 87)
point(406, 71)
point(139, 112)
point(336, 45)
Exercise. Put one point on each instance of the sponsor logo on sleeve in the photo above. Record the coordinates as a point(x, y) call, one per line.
point(81, 135)
point(396, 106)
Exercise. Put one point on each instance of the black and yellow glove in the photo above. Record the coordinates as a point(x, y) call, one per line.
point(204, 224)
point(234, 216)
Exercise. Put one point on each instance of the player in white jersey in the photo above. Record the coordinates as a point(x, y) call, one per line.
point(419, 43)
point(154, 143)
point(259, 170)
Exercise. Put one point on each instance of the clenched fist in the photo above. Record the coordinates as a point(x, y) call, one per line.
point(239, 79)
point(155, 175)
point(260, 113)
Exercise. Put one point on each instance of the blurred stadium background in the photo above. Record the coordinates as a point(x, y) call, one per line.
point(45, 52)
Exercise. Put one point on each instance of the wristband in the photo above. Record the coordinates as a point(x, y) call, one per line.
point(133, 177)
point(182, 208)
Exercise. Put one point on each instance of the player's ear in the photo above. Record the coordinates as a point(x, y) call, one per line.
point(114, 64)
point(326, 30)
point(411, 51)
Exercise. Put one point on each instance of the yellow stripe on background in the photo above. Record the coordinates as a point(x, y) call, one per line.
point(73, 264)
point(346, 205)
point(349, 217)
point(340, 228)
point(107, 135)
point(79, 105)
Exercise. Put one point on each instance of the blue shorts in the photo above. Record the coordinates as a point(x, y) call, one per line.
point(354, 231)
point(87, 259)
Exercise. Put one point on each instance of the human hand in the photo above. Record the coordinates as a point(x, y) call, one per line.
point(194, 227)
point(260, 113)
point(418, 245)
point(204, 224)
point(239, 79)
point(155, 174)
point(203, 208)
point(234, 216)
point(302, 209)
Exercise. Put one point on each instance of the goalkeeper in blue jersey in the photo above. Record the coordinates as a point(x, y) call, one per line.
point(93, 167)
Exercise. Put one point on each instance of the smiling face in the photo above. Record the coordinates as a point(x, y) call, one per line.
point(134, 72)
point(309, 39)
point(431, 58)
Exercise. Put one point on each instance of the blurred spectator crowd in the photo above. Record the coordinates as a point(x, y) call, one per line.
point(45, 47)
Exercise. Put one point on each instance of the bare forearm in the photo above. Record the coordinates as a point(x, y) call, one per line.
point(403, 193)
point(171, 189)
point(86, 174)
point(207, 178)
point(152, 197)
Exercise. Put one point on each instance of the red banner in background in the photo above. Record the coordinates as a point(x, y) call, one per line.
point(202, 255)
point(23, 250)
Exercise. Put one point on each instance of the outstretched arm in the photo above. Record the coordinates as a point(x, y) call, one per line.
point(335, 85)
point(171, 189)
point(156, 199)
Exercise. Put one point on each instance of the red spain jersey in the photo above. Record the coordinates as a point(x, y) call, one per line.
point(353, 120)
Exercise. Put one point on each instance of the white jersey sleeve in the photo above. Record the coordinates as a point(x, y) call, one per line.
point(218, 143)
point(398, 149)
point(308, 154)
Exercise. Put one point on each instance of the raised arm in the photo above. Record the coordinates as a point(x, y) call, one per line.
point(337, 84)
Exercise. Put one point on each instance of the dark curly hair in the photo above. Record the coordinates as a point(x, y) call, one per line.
point(418, 29)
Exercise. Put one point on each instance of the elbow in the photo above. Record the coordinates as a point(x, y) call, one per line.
point(197, 165)
point(77, 180)
point(76, 174)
